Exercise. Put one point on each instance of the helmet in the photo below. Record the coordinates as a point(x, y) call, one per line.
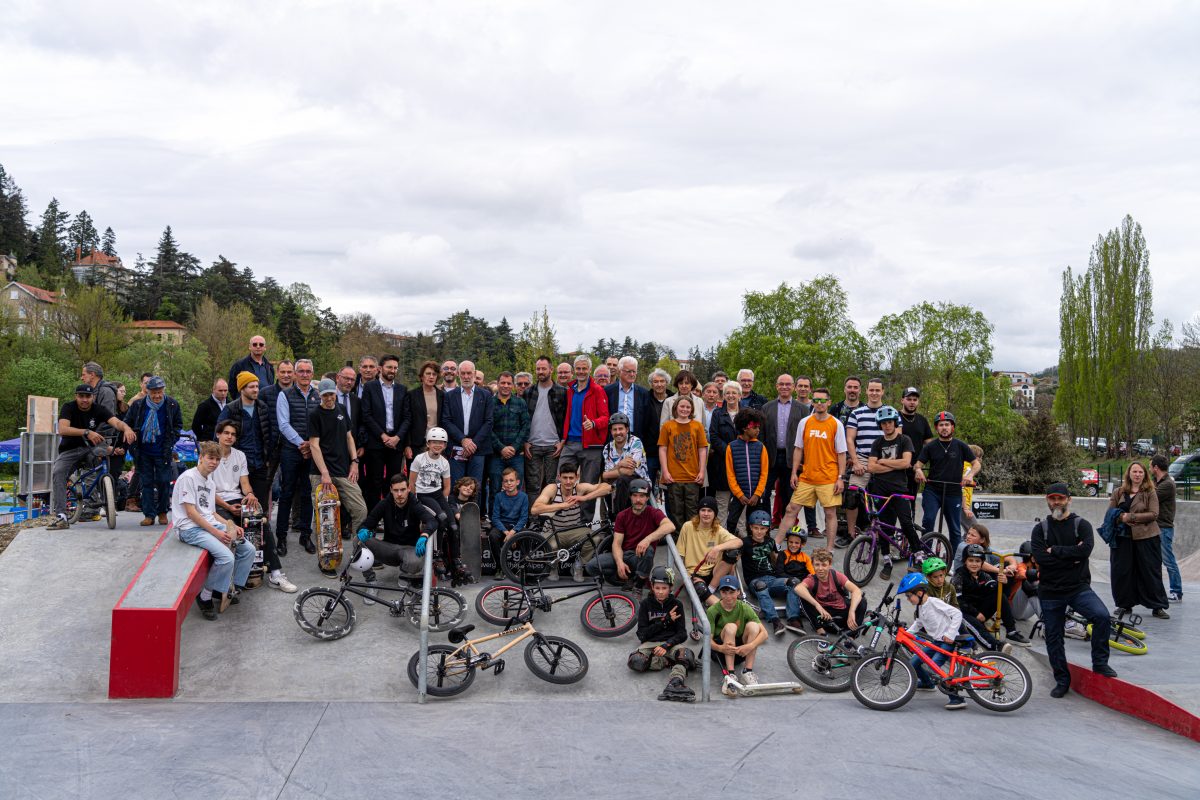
point(760, 517)
point(912, 582)
point(932, 565)
point(887, 414)
point(618, 419)
point(944, 416)
point(436, 435)
point(974, 551)
point(662, 575)
point(639, 485)
point(798, 530)
point(1025, 550)
point(364, 559)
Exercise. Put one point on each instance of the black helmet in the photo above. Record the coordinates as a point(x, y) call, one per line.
point(618, 419)
point(639, 485)
point(974, 551)
point(662, 575)
point(1025, 550)
point(944, 416)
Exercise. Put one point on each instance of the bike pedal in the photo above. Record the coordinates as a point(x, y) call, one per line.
point(497, 666)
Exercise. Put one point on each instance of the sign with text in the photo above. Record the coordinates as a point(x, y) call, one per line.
point(987, 509)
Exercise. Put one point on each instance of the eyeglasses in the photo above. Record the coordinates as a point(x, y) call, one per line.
point(820, 399)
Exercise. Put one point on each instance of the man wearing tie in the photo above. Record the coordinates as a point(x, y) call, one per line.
point(467, 418)
point(384, 418)
point(348, 399)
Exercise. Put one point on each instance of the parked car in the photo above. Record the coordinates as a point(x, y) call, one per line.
point(1144, 447)
point(1186, 468)
point(1090, 479)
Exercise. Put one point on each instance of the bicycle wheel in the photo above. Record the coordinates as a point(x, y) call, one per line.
point(611, 615)
point(881, 688)
point(1125, 642)
point(939, 545)
point(446, 609)
point(502, 602)
point(822, 665)
point(555, 659)
point(323, 613)
point(74, 503)
point(862, 557)
point(445, 675)
point(1006, 693)
point(1136, 633)
point(110, 500)
point(526, 558)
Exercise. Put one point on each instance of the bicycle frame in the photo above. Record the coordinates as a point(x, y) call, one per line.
point(470, 648)
point(878, 528)
point(95, 475)
point(915, 645)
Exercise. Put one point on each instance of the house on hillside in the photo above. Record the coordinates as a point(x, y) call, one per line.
point(31, 307)
point(9, 263)
point(100, 269)
point(163, 330)
point(1023, 386)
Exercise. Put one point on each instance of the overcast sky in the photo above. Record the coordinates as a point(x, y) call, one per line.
point(633, 166)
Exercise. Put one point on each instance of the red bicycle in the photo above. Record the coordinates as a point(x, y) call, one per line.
point(887, 681)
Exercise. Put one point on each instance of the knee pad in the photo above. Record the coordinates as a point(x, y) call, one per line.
point(702, 590)
point(638, 661)
point(793, 582)
point(729, 556)
point(685, 657)
point(759, 585)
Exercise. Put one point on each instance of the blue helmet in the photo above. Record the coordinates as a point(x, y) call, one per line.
point(912, 582)
point(760, 517)
point(887, 414)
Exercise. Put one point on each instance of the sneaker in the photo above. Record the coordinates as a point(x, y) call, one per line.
point(1160, 613)
point(282, 584)
point(954, 703)
point(841, 542)
point(370, 578)
point(886, 572)
point(1075, 630)
point(1017, 638)
point(925, 687)
point(795, 625)
point(778, 627)
point(1007, 649)
point(1059, 691)
point(60, 524)
point(207, 608)
point(749, 678)
point(1175, 597)
point(1105, 670)
point(727, 687)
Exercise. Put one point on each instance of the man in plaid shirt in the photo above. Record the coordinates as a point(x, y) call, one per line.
point(510, 430)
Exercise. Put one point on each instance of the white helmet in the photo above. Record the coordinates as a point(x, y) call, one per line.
point(436, 435)
point(364, 559)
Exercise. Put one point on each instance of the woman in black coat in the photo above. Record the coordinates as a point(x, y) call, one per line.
point(420, 399)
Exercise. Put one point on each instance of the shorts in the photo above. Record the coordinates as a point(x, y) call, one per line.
point(858, 480)
point(720, 657)
point(809, 494)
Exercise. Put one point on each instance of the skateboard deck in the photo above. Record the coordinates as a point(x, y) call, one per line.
point(470, 537)
point(252, 524)
point(327, 522)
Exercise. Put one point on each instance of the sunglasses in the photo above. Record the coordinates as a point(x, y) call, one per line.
point(820, 399)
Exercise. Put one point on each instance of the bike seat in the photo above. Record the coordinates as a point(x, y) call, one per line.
point(964, 639)
point(458, 634)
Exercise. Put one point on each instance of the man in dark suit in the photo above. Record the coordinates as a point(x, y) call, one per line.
point(204, 421)
point(256, 362)
point(632, 400)
point(547, 403)
point(467, 418)
point(385, 420)
point(348, 399)
point(781, 417)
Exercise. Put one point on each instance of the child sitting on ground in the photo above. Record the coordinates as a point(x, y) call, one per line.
point(737, 633)
point(510, 512)
point(662, 632)
point(709, 551)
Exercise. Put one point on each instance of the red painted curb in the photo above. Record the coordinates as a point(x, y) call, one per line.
point(1136, 701)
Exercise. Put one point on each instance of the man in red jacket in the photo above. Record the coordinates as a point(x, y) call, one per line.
point(585, 426)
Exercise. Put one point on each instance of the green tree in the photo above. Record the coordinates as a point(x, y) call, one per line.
point(108, 243)
point(224, 332)
point(184, 367)
point(14, 230)
point(804, 329)
point(537, 337)
point(41, 375)
point(290, 328)
point(82, 236)
point(91, 322)
point(52, 243)
point(226, 284)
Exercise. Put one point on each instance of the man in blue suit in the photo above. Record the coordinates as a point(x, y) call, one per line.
point(467, 418)
point(383, 421)
point(627, 397)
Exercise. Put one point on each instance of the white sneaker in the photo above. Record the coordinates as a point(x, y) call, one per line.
point(727, 687)
point(373, 592)
point(281, 583)
point(749, 678)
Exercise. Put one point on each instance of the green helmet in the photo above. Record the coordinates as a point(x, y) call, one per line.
point(932, 565)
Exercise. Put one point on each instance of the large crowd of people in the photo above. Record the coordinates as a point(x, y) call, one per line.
point(738, 479)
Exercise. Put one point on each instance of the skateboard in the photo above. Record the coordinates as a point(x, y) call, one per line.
point(327, 522)
point(252, 524)
point(470, 537)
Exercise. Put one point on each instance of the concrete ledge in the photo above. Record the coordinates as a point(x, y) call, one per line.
point(1131, 699)
point(145, 641)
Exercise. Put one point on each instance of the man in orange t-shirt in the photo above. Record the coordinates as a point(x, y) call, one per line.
point(821, 451)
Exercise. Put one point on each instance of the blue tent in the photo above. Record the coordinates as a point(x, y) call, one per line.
point(10, 451)
point(185, 448)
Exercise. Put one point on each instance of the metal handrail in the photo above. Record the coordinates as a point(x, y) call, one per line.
point(705, 627)
point(423, 661)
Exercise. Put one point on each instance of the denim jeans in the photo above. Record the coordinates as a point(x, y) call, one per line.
point(924, 676)
point(774, 586)
point(472, 467)
point(66, 463)
point(157, 474)
point(293, 489)
point(951, 508)
point(498, 466)
point(225, 565)
point(1054, 617)
point(1168, 557)
point(604, 564)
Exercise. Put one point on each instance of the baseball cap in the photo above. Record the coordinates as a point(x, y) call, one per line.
point(326, 386)
point(156, 383)
point(83, 388)
point(1058, 488)
point(912, 391)
point(729, 582)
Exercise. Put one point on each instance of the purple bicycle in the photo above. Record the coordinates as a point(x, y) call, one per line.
point(865, 550)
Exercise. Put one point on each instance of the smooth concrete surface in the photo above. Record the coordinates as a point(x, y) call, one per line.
point(161, 581)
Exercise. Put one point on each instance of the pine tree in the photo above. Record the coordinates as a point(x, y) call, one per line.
point(14, 230)
point(51, 245)
point(82, 236)
point(108, 243)
point(289, 328)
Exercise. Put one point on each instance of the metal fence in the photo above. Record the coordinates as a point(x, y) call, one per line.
point(698, 610)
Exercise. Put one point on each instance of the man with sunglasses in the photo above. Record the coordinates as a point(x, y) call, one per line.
point(256, 362)
point(821, 451)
